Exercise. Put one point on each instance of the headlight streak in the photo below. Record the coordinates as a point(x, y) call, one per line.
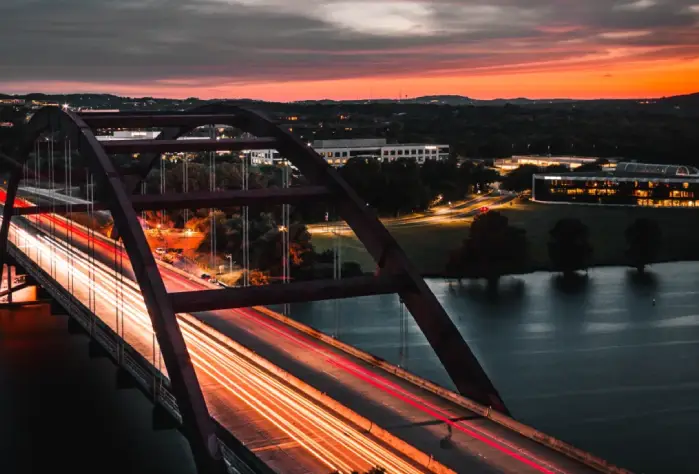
point(327, 438)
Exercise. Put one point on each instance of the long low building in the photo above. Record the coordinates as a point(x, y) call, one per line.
point(338, 152)
point(542, 161)
point(630, 184)
point(335, 152)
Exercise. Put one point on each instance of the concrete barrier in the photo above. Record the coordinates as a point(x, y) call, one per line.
point(549, 441)
point(394, 442)
point(507, 422)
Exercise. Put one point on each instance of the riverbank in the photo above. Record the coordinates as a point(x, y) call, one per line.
point(428, 246)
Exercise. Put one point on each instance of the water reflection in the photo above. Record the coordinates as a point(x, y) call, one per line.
point(594, 362)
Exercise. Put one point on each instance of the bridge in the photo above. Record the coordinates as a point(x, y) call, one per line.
point(252, 389)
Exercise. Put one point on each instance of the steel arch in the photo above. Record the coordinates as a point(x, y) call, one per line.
point(197, 422)
point(454, 353)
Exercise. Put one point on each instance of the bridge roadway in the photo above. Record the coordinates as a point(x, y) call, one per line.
point(415, 415)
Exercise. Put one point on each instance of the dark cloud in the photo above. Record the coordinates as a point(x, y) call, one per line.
point(214, 41)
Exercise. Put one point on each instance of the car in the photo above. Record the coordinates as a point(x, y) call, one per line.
point(205, 276)
point(485, 209)
point(160, 251)
point(213, 280)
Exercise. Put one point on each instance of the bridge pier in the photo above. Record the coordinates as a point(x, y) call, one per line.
point(95, 350)
point(75, 328)
point(163, 420)
point(124, 380)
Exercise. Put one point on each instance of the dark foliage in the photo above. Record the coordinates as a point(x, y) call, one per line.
point(643, 240)
point(569, 247)
point(492, 249)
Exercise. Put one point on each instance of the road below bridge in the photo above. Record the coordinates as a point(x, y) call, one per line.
point(455, 436)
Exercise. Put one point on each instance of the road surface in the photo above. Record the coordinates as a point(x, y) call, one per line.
point(437, 215)
point(455, 436)
point(286, 429)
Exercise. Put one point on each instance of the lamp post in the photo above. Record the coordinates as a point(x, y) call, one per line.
point(230, 260)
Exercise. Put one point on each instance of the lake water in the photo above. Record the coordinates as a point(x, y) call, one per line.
point(596, 364)
point(60, 410)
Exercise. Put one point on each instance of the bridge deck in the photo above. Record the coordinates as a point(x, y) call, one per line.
point(414, 415)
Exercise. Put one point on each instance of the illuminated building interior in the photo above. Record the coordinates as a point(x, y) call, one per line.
point(631, 184)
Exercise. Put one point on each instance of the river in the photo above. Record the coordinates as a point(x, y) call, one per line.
point(598, 364)
point(60, 410)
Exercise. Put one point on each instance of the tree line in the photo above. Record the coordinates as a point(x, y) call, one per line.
point(403, 186)
point(495, 248)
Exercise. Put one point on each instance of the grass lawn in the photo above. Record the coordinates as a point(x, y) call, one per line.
point(428, 246)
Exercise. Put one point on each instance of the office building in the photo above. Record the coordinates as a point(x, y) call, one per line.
point(630, 184)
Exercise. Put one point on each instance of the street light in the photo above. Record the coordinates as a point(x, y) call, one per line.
point(230, 259)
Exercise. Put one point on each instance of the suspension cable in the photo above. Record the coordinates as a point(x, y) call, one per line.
point(245, 245)
point(337, 268)
point(37, 185)
point(404, 328)
point(52, 224)
point(91, 248)
point(286, 232)
point(185, 186)
point(69, 210)
point(212, 188)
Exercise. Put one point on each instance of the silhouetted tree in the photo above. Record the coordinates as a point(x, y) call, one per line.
point(643, 240)
point(569, 247)
point(588, 167)
point(520, 178)
point(492, 249)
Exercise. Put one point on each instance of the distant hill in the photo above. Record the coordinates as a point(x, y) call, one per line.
point(683, 103)
point(442, 99)
point(688, 100)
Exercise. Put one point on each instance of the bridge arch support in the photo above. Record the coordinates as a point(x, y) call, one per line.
point(197, 423)
point(452, 350)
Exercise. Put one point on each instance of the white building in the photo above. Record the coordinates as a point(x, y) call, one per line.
point(572, 162)
point(338, 152)
point(138, 135)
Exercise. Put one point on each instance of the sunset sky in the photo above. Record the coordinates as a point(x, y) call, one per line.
point(347, 49)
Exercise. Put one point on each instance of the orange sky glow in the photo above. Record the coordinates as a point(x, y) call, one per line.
point(284, 50)
point(623, 80)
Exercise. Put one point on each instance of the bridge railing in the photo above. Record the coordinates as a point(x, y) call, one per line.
point(148, 378)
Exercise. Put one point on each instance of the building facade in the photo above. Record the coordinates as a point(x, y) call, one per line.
point(338, 152)
point(335, 152)
point(630, 184)
point(508, 164)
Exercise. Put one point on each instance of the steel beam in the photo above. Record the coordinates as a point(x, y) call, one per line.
point(443, 336)
point(204, 144)
point(8, 211)
point(222, 199)
point(190, 399)
point(197, 200)
point(151, 119)
point(211, 300)
point(57, 209)
point(459, 361)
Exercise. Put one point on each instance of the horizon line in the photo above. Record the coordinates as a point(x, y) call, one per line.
point(573, 99)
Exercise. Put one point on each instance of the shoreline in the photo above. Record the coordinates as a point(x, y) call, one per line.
point(545, 269)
